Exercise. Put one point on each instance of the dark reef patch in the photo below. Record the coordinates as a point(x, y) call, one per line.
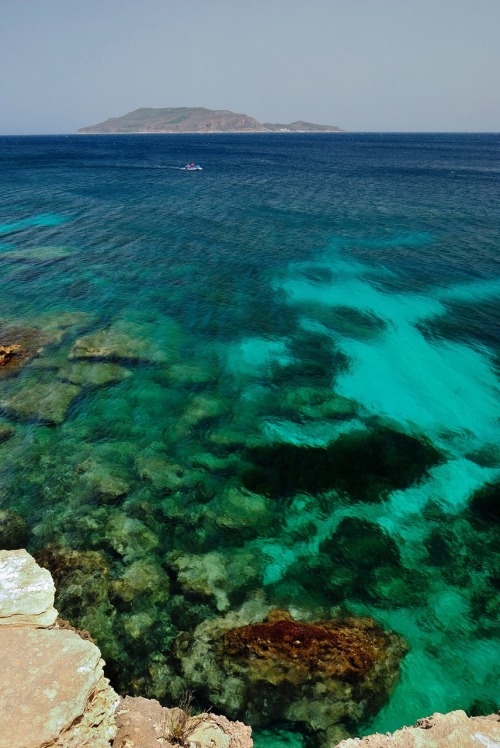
point(345, 320)
point(486, 502)
point(315, 360)
point(364, 465)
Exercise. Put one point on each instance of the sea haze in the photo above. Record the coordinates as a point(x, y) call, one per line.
point(275, 379)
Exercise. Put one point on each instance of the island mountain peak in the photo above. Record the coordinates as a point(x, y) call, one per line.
point(195, 120)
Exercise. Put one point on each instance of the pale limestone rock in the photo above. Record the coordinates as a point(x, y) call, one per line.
point(139, 723)
point(452, 730)
point(97, 725)
point(52, 691)
point(26, 591)
point(144, 723)
point(218, 732)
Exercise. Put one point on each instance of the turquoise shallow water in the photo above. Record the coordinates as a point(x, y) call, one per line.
point(278, 377)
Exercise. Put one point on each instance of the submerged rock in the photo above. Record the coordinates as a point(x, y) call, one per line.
point(93, 374)
point(161, 473)
point(82, 579)
point(346, 321)
point(243, 511)
point(189, 374)
point(318, 403)
point(101, 483)
point(18, 345)
point(6, 431)
point(14, 530)
point(366, 465)
point(7, 352)
point(486, 502)
point(315, 674)
point(38, 254)
point(203, 407)
point(216, 576)
point(142, 578)
point(123, 341)
point(213, 463)
point(129, 537)
point(40, 401)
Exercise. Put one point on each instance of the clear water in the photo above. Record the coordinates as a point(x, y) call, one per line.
point(293, 270)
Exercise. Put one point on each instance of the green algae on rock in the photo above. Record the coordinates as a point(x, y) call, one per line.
point(142, 578)
point(93, 374)
point(240, 510)
point(101, 482)
point(39, 401)
point(129, 341)
point(14, 530)
point(6, 431)
point(216, 576)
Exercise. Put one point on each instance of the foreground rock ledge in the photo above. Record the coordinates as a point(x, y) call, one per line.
point(144, 723)
point(53, 693)
point(452, 730)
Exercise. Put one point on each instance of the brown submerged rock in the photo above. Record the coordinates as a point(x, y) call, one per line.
point(24, 340)
point(6, 431)
point(322, 675)
point(284, 650)
point(6, 353)
point(18, 345)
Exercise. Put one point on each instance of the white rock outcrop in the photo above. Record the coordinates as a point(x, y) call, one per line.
point(26, 591)
point(53, 693)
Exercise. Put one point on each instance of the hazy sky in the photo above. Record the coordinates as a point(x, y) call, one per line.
point(359, 64)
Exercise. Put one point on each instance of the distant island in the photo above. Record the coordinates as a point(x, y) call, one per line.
point(195, 120)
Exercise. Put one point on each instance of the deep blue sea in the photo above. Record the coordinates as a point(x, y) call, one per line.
point(275, 379)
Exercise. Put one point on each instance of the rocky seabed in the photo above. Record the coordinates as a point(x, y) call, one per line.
point(54, 692)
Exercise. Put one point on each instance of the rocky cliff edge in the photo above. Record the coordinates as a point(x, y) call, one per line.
point(53, 692)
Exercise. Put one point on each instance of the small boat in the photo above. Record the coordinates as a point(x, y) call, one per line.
point(192, 167)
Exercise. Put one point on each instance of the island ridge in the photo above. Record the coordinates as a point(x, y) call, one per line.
point(195, 120)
